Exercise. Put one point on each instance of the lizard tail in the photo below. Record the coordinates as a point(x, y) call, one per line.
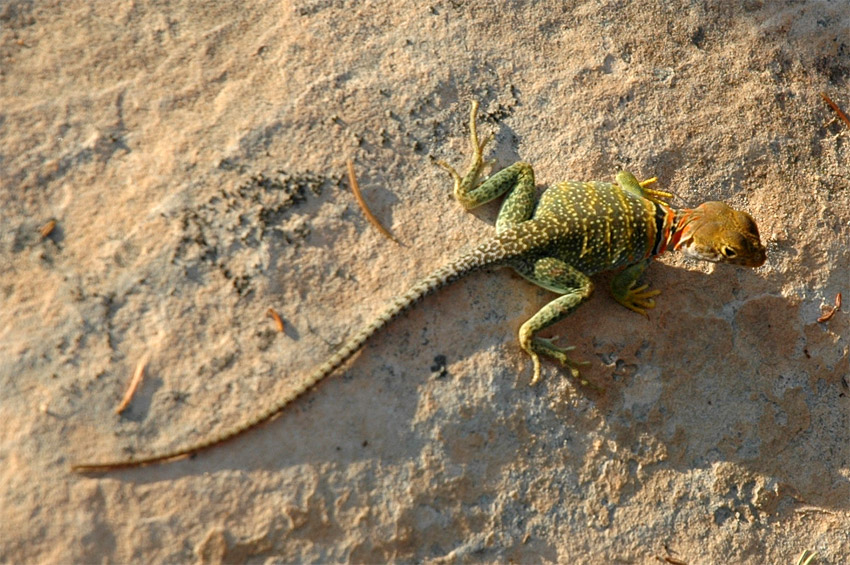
point(493, 252)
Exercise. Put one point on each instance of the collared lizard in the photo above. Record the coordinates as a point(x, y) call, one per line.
point(574, 230)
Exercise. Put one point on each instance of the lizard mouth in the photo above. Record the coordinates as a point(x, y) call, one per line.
point(701, 254)
point(753, 258)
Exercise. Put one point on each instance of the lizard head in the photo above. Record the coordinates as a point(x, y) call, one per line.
point(715, 232)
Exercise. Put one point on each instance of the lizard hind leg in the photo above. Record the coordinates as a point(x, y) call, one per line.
point(517, 181)
point(466, 183)
point(575, 287)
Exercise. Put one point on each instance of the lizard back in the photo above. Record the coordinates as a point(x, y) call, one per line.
point(596, 226)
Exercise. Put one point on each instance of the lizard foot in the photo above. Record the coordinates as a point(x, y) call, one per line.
point(638, 299)
point(546, 346)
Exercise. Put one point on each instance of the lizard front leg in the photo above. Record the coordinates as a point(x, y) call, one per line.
point(628, 181)
point(557, 276)
point(637, 299)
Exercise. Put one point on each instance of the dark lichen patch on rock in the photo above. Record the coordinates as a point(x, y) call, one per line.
point(218, 232)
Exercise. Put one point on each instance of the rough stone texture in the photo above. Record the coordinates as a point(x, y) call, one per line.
point(192, 155)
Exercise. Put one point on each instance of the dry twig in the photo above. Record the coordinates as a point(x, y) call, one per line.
point(827, 316)
point(47, 229)
point(835, 107)
point(278, 321)
point(355, 188)
point(134, 384)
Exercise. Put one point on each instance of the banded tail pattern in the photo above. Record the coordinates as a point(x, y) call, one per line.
point(492, 252)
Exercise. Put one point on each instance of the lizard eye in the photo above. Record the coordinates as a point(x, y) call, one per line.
point(729, 252)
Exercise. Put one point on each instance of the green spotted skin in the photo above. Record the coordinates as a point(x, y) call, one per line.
point(593, 226)
point(574, 230)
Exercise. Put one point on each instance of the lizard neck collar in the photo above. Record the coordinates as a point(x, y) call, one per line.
point(670, 225)
point(680, 228)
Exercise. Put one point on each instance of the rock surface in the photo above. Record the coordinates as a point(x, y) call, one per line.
point(192, 156)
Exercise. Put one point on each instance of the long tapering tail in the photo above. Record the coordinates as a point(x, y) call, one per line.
point(492, 252)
